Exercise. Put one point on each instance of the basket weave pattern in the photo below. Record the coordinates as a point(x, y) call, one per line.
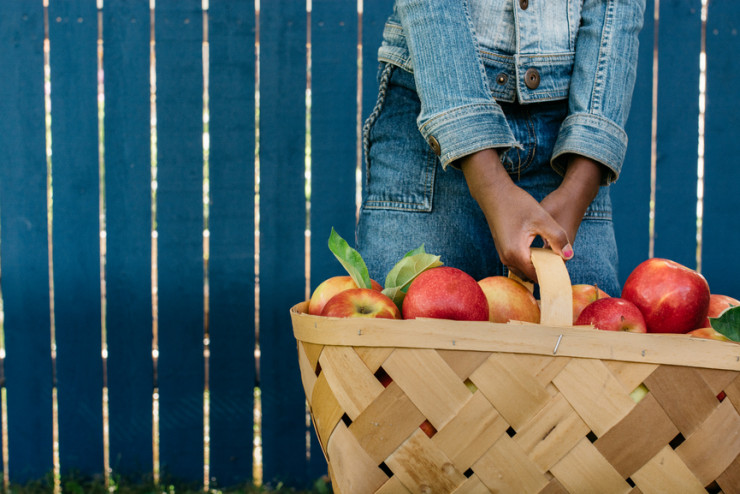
point(520, 408)
point(528, 423)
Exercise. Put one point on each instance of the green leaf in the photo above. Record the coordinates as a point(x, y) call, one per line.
point(396, 294)
point(409, 267)
point(728, 323)
point(350, 259)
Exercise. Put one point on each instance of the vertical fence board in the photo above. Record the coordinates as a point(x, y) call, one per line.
point(73, 29)
point(23, 242)
point(282, 225)
point(128, 228)
point(333, 142)
point(333, 129)
point(722, 175)
point(178, 38)
point(631, 193)
point(678, 116)
point(231, 224)
point(374, 16)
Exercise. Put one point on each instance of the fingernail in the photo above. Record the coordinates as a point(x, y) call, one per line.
point(568, 251)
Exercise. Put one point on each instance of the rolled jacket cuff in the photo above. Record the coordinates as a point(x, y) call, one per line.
point(594, 137)
point(465, 130)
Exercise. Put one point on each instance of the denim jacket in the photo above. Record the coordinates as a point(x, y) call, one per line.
point(468, 55)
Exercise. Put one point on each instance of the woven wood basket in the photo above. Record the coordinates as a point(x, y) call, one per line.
point(541, 408)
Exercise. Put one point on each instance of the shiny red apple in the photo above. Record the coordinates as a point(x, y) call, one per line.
point(445, 292)
point(330, 287)
point(613, 314)
point(584, 294)
point(361, 302)
point(509, 300)
point(671, 297)
point(717, 305)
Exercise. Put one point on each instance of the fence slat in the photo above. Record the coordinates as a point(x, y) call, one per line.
point(333, 129)
point(333, 142)
point(128, 228)
point(282, 225)
point(722, 175)
point(231, 224)
point(631, 193)
point(73, 29)
point(678, 116)
point(178, 38)
point(25, 262)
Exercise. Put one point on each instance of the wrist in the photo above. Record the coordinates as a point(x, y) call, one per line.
point(484, 173)
point(583, 177)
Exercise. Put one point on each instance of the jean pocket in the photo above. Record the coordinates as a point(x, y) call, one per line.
point(400, 165)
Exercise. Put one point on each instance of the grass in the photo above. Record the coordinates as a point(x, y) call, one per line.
point(75, 484)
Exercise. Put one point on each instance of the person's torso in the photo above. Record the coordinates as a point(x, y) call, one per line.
point(521, 42)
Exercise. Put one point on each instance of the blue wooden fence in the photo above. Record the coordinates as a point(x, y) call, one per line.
point(174, 323)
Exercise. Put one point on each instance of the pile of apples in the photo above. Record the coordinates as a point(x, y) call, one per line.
point(659, 296)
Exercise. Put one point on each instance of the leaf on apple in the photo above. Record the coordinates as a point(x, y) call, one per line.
point(350, 259)
point(412, 264)
point(728, 323)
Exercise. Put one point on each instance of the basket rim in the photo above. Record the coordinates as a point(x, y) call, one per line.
point(567, 341)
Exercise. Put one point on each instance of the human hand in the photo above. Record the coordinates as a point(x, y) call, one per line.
point(513, 215)
point(568, 203)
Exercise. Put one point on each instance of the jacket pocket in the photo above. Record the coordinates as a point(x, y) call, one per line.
point(400, 165)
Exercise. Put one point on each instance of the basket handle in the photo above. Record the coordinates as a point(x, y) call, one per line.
point(556, 292)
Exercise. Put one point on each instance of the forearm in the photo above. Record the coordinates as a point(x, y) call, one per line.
point(458, 115)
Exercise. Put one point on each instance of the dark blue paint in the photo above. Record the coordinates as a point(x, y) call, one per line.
point(282, 224)
point(23, 241)
point(180, 372)
point(231, 223)
point(73, 30)
point(128, 226)
point(720, 234)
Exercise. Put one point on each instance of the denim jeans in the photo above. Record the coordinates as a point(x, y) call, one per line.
point(409, 200)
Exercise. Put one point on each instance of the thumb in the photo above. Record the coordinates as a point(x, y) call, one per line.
point(556, 239)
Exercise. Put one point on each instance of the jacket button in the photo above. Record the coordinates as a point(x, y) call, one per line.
point(502, 78)
point(434, 144)
point(532, 78)
point(524, 4)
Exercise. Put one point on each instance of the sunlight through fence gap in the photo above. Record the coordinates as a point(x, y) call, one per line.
point(654, 132)
point(50, 252)
point(103, 245)
point(700, 144)
point(154, 250)
point(257, 409)
point(206, 254)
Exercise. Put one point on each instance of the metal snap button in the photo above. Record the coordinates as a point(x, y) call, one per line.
point(532, 78)
point(502, 78)
point(524, 4)
point(434, 144)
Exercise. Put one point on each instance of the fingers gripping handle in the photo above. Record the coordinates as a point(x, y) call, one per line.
point(556, 293)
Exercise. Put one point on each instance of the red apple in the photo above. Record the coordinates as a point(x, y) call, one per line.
point(361, 302)
point(671, 297)
point(445, 293)
point(330, 287)
point(509, 300)
point(709, 333)
point(717, 305)
point(613, 314)
point(584, 294)
point(428, 428)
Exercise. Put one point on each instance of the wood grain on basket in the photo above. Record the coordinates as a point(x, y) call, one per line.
point(512, 414)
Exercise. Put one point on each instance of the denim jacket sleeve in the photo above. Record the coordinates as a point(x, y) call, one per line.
point(601, 84)
point(458, 113)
